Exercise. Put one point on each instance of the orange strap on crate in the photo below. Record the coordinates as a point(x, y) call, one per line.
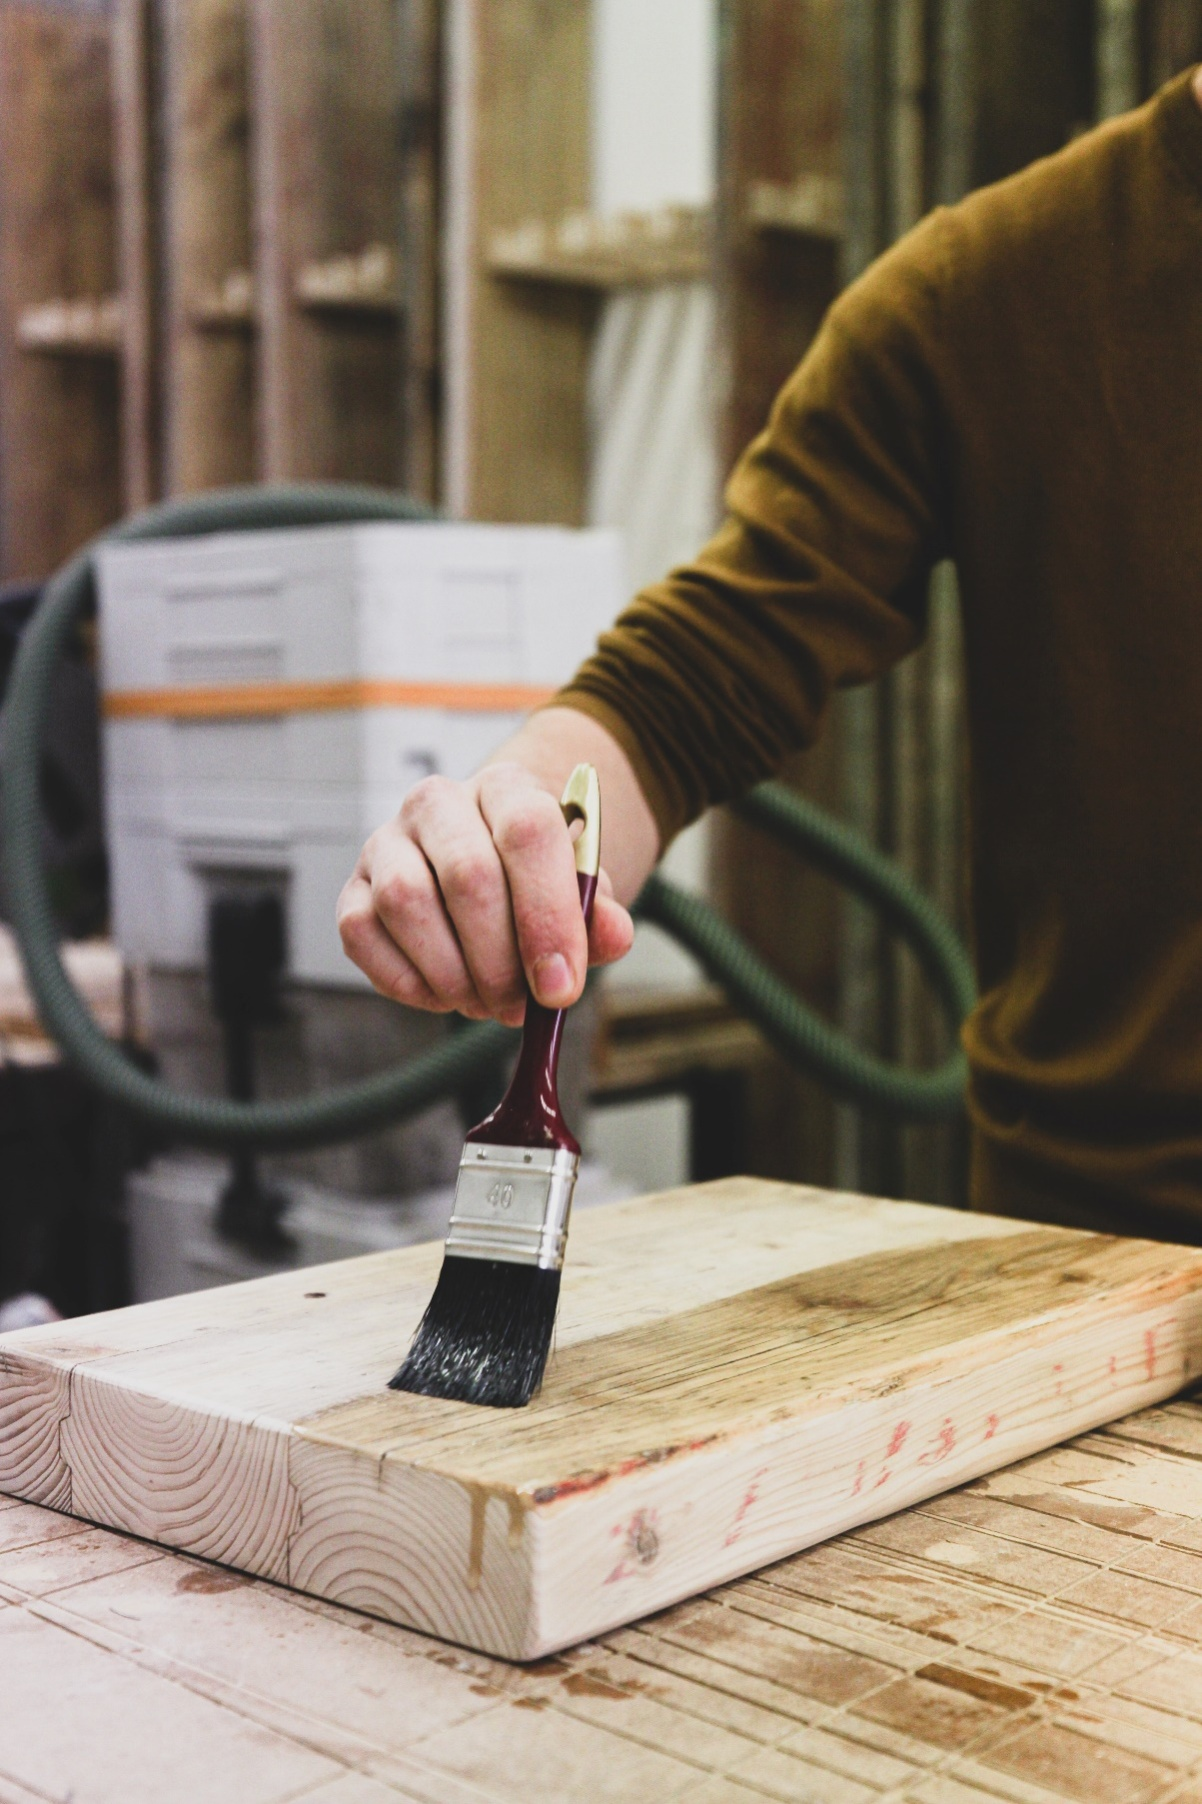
point(230, 700)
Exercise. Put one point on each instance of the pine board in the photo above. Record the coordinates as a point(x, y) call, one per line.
point(743, 1369)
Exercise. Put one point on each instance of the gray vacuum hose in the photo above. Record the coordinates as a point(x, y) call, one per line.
point(393, 1095)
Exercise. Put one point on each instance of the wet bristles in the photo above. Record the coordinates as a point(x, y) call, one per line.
point(485, 1335)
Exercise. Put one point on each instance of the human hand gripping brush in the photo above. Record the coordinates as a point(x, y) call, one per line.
point(487, 1330)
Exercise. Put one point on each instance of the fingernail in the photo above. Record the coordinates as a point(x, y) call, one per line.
point(552, 979)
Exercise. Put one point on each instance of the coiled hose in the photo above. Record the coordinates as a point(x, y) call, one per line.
point(394, 1094)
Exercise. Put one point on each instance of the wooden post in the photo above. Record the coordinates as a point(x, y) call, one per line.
point(325, 98)
point(421, 48)
point(208, 336)
point(517, 349)
point(779, 229)
point(59, 480)
point(138, 214)
point(1171, 39)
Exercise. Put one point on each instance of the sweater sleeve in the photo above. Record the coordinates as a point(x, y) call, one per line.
point(817, 578)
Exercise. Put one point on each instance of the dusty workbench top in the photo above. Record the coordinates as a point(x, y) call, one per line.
point(1036, 1636)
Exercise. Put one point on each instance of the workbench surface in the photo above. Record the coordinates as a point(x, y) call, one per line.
point(1035, 1636)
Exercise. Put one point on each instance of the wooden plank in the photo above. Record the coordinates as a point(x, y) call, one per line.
point(138, 214)
point(781, 99)
point(741, 1369)
point(325, 98)
point(587, 250)
point(988, 1644)
point(420, 28)
point(59, 421)
point(208, 344)
point(517, 352)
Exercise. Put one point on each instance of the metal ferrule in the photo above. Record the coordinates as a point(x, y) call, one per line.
point(512, 1203)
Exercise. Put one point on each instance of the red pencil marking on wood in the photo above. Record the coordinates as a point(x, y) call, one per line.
point(591, 1481)
point(991, 1427)
point(859, 1484)
point(945, 1440)
point(749, 1497)
point(897, 1440)
point(1114, 1365)
point(641, 1545)
point(1150, 1352)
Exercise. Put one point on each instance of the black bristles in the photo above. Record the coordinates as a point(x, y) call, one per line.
point(485, 1335)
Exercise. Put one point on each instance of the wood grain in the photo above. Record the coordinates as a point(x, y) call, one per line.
point(138, 172)
point(742, 1369)
point(517, 352)
point(1035, 1637)
point(209, 369)
point(781, 95)
point(325, 99)
point(59, 425)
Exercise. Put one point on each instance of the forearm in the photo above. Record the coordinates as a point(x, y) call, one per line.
point(549, 745)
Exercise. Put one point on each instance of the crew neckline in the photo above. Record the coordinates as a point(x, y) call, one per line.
point(1181, 120)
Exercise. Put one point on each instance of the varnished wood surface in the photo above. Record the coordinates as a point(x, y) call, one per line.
point(741, 1369)
point(1033, 1638)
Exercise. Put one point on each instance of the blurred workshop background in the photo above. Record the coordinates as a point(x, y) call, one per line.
point(536, 263)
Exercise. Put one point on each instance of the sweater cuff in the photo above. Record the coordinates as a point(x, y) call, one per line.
point(663, 797)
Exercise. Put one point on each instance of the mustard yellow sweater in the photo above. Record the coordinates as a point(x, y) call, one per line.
point(1017, 385)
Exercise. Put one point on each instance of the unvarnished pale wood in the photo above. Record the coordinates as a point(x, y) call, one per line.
point(741, 1369)
point(1035, 1637)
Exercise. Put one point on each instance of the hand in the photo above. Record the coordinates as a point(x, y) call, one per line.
point(469, 896)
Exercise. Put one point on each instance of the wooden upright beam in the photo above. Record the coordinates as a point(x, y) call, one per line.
point(59, 463)
point(208, 385)
point(325, 98)
point(781, 94)
point(421, 51)
point(137, 186)
point(517, 349)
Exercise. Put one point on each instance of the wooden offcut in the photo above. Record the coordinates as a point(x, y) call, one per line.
point(743, 1369)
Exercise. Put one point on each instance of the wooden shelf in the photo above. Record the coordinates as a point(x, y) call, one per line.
point(586, 250)
point(229, 306)
point(811, 207)
point(89, 327)
point(654, 1039)
point(367, 283)
point(98, 972)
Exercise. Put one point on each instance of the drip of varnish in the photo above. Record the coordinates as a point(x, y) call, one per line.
point(478, 1497)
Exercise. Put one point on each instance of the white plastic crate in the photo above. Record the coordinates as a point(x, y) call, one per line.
point(327, 670)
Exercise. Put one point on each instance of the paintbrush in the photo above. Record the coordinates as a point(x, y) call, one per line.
point(487, 1330)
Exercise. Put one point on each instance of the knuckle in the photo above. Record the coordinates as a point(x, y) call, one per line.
point(426, 797)
point(354, 925)
point(395, 895)
point(407, 987)
point(468, 878)
point(501, 986)
point(527, 829)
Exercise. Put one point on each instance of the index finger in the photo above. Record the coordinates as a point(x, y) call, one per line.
point(532, 838)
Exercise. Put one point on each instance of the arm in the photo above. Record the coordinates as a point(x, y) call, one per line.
point(706, 683)
point(470, 892)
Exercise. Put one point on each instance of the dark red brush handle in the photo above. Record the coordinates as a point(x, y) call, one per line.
point(529, 1112)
